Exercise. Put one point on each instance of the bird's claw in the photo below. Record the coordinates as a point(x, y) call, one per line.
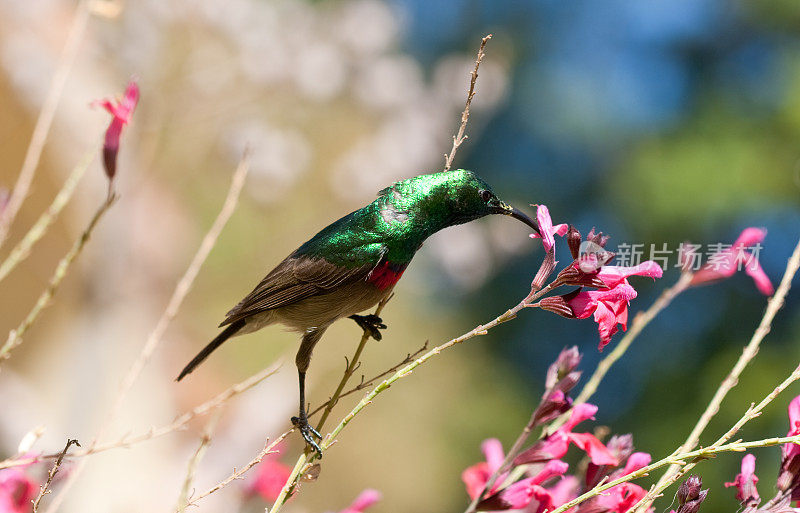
point(370, 323)
point(308, 433)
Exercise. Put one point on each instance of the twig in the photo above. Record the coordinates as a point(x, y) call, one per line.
point(367, 382)
point(350, 369)
point(176, 425)
point(15, 336)
point(23, 248)
point(44, 490)
point(205, 440)
point(329, 440)
point(237, 474)
point(461, 136)
point(677, 458)
point(45, 119)
point(775, 303)
point(181, 290)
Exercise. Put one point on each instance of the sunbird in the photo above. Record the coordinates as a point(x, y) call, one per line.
point(354, 263)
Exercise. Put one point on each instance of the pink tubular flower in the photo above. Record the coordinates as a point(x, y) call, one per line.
point(547, 228)
point(609, 304)
point(16, 490)
point(609, 307)
point(521, 493)
point(746, 480)
point(364, 500)
point(789, 476)
point(121, 112)
point(476, 476)
point(725, 263)
point(515, 496)
point(556, 445)
point(270, 477)
point(619, 498)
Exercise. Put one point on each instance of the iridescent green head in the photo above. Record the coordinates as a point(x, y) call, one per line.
point(445, 199)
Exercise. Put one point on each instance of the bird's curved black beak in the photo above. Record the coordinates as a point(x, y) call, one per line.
point(508, 210)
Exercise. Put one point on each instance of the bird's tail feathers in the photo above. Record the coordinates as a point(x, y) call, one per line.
point(227, 333)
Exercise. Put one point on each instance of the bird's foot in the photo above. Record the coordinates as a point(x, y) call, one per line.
point(370, 323)
point(308, 433)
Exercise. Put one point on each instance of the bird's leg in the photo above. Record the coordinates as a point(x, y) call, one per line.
point(301, 421)
point(370, 323)
point(303, 360)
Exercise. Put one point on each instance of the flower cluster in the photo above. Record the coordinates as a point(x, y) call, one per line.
point(543, 483)
point(604, 292)
point(608, 291)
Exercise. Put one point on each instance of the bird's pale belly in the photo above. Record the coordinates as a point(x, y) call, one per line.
point(322, 310)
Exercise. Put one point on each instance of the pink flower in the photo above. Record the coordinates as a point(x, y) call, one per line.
point(789, 476)
point(521, 493)
point(121, 112)
point(746, 480)
point(725, 263)
point(620, 498)
point(270, 477)
point(547, 228)
point(609, 308)
point(476, 476)
point(556, 445)
point(609, 304)
point(514, 496)
point(365, 499)
point(17, 490)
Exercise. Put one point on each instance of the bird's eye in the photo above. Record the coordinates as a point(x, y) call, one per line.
point(485, 195)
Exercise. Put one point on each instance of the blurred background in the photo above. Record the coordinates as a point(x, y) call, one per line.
point(656, 122)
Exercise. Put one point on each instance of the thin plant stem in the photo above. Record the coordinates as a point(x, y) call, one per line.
point(677, 458)
point(237, 474)
point(352, 365)
point(194, 462)
point(45, 489)
point(461, 135)
point(752, 412)
point(45, 118)
point(179, 423)
point(367, 382)
point(175, 302)
point(37, 231)
point(15, 336)
point(775, 303)
point(639, 323)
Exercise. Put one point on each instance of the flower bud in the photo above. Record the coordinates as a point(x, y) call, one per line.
point(574, 241)
point(690, 495)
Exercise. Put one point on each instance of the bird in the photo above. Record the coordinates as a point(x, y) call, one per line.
point(353, 264)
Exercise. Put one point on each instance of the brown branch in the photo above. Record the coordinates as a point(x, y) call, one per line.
point(237, 474)
point(461, 136)
point(44, 490)
point(205, 440)
point(179, 423)
point(45, 119)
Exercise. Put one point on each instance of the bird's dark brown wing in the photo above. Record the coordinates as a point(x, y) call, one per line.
point(293, 280)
